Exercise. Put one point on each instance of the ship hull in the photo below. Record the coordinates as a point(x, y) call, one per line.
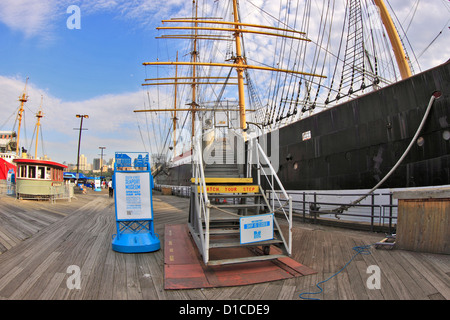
point(355, 144)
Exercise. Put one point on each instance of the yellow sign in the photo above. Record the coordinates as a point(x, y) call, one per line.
point(231, 189)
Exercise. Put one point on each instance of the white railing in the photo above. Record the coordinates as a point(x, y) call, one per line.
point(202, 203)
point(278, 205)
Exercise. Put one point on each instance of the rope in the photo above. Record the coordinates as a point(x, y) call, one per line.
point(342, 208)
point(359, 250)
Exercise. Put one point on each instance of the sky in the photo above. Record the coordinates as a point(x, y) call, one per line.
point(91, 64)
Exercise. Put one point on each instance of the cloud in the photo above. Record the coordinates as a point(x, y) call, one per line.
point(38, 19)
point(30, 17)
point(111, 123)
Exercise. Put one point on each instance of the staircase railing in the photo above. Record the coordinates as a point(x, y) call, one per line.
point(202, 203)
point(265, 169)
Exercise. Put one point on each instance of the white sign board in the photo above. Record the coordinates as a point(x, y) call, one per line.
point(256, 228)
point(133, 195)
point(306, 135)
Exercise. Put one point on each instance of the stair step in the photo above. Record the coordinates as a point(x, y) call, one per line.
point(230, 189)
point(227, 174)
point(221, 167)
point(223, 180)
point(246, 259)
point(227, 231)
point(228, 196)
point(239, 206)
point(230, 243)
point(228, 224)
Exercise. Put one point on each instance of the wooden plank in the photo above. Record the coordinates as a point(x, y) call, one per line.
point(52, 287)
point(286, 292)
point(106, 285)
point(424, 225)
point(148, 288)
point(437, 279)
point(29, 281)
point(35, 268)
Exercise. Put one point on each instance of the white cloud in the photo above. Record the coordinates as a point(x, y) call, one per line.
point(111, 123)
point(30, 17)
point(38, 19)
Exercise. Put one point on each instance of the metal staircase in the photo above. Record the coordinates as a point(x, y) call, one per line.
point(221, 195)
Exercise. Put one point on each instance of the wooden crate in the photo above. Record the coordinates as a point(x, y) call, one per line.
point(423, 222)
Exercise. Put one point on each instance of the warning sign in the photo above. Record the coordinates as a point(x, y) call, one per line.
point(230, 189)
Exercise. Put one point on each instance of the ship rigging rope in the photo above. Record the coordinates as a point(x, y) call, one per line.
point(343, 208)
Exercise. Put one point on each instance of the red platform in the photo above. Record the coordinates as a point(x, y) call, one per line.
point(184, 267)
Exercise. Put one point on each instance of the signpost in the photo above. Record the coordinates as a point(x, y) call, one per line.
point(133, 184)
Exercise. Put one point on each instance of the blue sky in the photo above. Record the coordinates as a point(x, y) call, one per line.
point(97, 70)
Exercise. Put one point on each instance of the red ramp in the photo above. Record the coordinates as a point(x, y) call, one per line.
point(184, 268)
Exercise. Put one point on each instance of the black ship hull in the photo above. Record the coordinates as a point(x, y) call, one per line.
point(355, 144)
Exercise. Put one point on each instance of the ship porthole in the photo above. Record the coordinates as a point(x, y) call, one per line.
point(446, 135)
point(420, 141)
point(295, 166)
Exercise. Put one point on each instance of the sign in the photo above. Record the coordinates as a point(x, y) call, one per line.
point(306, 135)
point(133, 192)
point(256, 228)
point(230, 189)
point(98, 187)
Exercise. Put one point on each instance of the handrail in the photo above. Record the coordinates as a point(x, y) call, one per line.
point(272, 169)
point(204, 203)
point(288, 198)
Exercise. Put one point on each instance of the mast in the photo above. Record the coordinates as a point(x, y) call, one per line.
point(39, 115)
point(236, 28)
point(240, 70)
point(175, 111)
point(22, 99)
point(194, 69)
point(397, 46)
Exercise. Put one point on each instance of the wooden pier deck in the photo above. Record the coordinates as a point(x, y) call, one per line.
point(40, 240)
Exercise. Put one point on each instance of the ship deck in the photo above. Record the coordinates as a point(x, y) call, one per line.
point(40, 240)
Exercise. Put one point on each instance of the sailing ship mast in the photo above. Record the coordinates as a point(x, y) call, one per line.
point(394, 38)
point(175, 111)
point(239, 62)
point(237, 29)
point(22, 99)
point(39, 115)
point(194, 55)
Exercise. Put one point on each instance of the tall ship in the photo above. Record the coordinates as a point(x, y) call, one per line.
point(334, 96)
point(295, 96)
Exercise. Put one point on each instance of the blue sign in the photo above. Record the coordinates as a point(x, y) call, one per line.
point(134, 206)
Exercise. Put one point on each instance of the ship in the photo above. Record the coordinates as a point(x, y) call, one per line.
point(344, 127)
point(28, 176)
point(304, 123)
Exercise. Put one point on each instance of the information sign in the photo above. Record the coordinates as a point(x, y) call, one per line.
point(256, 228)
point(133, 199)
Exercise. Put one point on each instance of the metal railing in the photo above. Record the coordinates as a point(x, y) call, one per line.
point(379, 212)
point(281, 201)
point(201, 201)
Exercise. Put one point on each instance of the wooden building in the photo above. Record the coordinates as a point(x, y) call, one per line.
point(39, 178)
